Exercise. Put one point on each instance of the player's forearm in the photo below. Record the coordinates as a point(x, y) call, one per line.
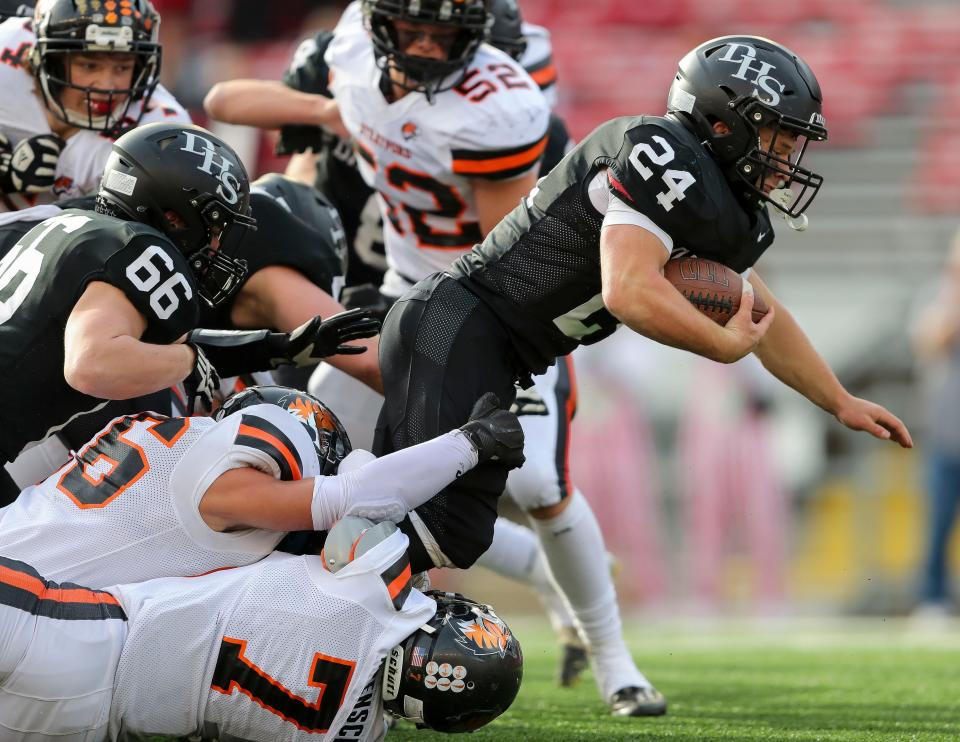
point(124, 367)
point(655, 309)
point(389, 487)
point(268, 104)
point(787, 353)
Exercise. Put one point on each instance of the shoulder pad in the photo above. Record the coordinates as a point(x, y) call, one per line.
point(506, 130)
point(153, 275)
point(658, 170)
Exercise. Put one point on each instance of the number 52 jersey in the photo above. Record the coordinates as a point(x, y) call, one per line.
point(41, 279)
point(421, 156)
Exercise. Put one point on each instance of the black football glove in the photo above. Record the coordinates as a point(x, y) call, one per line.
point(202, 383)
point(366, 296)
point(495, 433)
point(320, 338)
point(236, 352)
point(31, 166)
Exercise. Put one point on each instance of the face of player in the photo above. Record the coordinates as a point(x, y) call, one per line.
point(425, 40)
point(783, 148)
point(101, 71)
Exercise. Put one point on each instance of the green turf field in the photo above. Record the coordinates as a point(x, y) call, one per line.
point(854, 681)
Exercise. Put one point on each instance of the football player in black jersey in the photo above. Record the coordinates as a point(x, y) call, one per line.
point(95, 305)
point(297, 251)
point(585, 251)
point(542, 487)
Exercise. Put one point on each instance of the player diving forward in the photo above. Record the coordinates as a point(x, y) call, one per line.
point(450, 133)
point(584, 252)
point(287, 649)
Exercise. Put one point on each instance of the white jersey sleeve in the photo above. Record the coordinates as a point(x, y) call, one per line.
point(537, 60)
point(279, 650)
point(124, 509)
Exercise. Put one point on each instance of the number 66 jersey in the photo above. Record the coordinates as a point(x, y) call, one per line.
point(421, 156)
point(41, 279)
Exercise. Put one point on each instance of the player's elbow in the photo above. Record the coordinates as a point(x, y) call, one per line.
point(85, 369)
point(85, 377)
point(215, 103)
point(627, 301)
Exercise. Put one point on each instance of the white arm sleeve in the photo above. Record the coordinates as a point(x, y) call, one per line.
point(389, 487)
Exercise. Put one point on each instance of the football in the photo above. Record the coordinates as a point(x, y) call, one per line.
point(711, 287)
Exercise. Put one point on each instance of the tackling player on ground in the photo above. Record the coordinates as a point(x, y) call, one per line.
point(290, 648)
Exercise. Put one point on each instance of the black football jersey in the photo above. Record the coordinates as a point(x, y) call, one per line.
point(281, 238)
point(41, 279)
point(539, 269)
point(337, 175)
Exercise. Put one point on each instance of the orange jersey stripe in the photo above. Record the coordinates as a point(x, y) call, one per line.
point(545, 77)
point(276, 443)
point(527, 157)
point(399, 583)
point(59, 595)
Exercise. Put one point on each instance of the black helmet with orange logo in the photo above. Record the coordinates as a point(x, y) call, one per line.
point(458, 672)
point(329, 437)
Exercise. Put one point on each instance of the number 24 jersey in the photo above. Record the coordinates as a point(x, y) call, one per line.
point(539, 268)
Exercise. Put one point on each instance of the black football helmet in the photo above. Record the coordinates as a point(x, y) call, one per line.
point(429, 76)
point(748, 83)
point(506, 33)
point(329, 437)
point(65, 27)
point(459, 671)
point(183, 168)
point(307, 204)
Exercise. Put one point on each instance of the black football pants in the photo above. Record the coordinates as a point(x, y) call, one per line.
point(440, 349)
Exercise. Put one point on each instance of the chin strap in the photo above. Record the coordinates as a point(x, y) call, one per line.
point(784, 197)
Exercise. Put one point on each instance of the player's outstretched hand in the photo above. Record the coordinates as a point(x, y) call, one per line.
point(494, 432)
point(862, 414)
point(31, 166)
point(318, 338)
point(743, 334)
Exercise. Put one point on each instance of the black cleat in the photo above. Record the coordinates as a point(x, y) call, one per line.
point(634, 701)
point(573, 662)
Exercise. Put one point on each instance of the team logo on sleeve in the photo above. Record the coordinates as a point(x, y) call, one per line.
point(409, 131)
point(483, 635)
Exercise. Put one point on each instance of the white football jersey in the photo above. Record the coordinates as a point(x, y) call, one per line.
point(279, 651)
point(537, 60)
point(421, 157)
point(23, 114)
point(125, 508)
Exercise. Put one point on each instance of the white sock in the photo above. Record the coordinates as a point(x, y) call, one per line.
point(515, 553)
point(573, 546)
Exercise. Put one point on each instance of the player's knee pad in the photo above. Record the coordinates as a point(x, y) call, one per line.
point(536, 484)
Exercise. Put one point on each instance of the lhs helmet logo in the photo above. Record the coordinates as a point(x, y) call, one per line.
point(229, 188)
point(753, 70)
